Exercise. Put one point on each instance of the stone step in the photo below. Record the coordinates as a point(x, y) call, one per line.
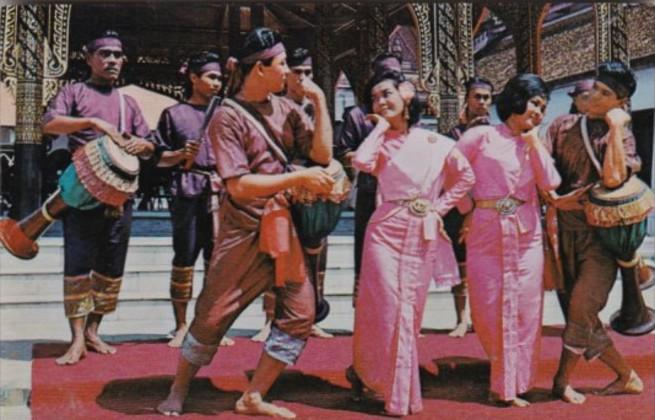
point(46, 320)
point(150, 283)
point(144, 254)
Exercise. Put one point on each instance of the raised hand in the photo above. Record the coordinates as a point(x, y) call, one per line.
point(380, 122)
point(617, 117)
point(312, 91)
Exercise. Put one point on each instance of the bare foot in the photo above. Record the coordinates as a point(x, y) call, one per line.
point(94, 343)
point(251, 403)
point(75, 353)
point(320, 332)
point(226, 342)
point(178, 337)
point(516, 402)
point(459, 331)
point(631, 385)
point(172, 405)
point(568, 394)
point(262, 335)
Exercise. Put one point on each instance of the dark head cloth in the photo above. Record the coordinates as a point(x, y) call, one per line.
point(618, 77)
point(582, 86)
point(104, 40)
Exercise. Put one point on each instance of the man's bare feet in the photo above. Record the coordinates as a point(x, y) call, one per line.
point(178, 336)
point(567, 394)
point(319, 332)
point(252, 403)
point(630, 385)
point(226, 342)
point(460, 330)
point(75, 353)
point(172, 405)
point(262, 335)
point(94, 343)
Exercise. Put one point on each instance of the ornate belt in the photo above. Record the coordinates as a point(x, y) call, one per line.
point(418, 206)
point(504, 206)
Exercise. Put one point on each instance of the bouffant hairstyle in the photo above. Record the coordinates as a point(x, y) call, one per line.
point(397, 78)
point(517, 92)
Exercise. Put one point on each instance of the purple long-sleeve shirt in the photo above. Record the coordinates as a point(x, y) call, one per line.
point(177, 124)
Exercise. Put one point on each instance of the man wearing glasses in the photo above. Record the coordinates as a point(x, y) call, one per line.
point(95, 241)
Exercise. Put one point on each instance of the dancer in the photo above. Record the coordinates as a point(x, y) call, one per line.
point(504, 244)
point(405, 245)
point(589, 268)
point(250, 137)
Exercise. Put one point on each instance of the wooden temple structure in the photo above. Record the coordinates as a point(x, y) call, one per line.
point(40, 50)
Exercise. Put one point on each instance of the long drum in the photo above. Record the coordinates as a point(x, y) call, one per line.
point(620, 215)
point(101, 173)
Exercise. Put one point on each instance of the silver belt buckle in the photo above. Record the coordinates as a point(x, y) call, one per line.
point(419, 207)
point(506, 206)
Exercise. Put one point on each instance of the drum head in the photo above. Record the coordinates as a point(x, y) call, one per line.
point(119, 157)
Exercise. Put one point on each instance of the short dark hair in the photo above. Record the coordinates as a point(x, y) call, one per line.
point(476, 81)
point(517, 92)
point(297, 56)
point(194, 64)
point(397, 78)
point(618, 76)
point(384, 55)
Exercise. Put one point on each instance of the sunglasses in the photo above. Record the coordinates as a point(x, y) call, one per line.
point(108, 53)
point(307, 72)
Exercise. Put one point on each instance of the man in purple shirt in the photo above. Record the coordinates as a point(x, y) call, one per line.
point(95, 241)
point(180, 134)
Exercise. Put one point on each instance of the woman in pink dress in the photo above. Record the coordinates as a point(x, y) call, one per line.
point(504, 243)
point(405, 244)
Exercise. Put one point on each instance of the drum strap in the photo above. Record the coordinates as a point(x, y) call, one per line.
point(121, 110)
point(587, 145)
point(277, 151)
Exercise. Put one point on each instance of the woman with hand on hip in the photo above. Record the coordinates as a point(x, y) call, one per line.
point(420, 177)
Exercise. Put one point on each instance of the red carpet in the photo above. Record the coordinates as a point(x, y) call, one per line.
point(454, 378)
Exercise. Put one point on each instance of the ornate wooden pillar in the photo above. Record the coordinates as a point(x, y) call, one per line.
point(234, 28)
point(525, 22)
point(446, 57)
point(323, 56)
point(372, 40)
point(611, 32)
point(29, 109)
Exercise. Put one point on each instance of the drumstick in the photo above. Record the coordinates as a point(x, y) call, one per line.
point(215, 101)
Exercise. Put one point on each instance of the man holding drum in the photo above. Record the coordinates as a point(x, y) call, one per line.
point(95, 241)
point(251, 132)
point(589, 268)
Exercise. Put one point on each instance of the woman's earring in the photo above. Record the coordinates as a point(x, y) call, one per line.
point(406, 112)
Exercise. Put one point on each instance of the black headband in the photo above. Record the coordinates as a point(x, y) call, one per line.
point(619, 88)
